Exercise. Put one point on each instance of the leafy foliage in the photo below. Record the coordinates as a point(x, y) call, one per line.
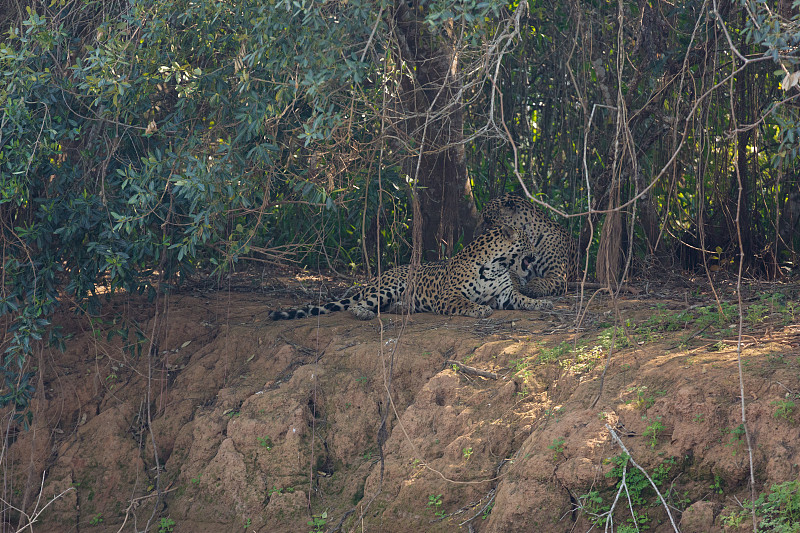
point(141, 141)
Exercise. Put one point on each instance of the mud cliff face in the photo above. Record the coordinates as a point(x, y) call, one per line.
point(278, 426)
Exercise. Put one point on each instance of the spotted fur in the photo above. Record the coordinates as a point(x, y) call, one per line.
point(484, 276)
point(555, 252)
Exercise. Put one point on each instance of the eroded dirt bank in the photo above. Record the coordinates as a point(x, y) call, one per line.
point(251, 419)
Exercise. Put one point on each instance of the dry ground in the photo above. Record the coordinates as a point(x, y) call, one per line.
point(262, 426)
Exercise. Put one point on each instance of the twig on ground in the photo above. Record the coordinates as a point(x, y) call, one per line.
point(692, 336)
point(598, 286)
point(461, 367)
point(134, 503)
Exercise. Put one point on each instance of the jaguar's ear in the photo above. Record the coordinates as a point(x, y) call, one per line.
point(510, 200)
point(509, 232)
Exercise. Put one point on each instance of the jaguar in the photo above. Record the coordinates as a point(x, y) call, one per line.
point(555, 251)
point(486, 275)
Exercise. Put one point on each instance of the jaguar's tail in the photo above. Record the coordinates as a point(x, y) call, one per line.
point(311, 310)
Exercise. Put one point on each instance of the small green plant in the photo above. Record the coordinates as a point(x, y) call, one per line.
point(486, 511)
point(781, 509)
point(584, 361)
point(591, 504)
point(557, 446)
point(699, 418)
point(716, 486)
point(756, 313)
point(682, 503)
point(435, 502)
point(553, 413)
point(615, 334)
point(737, 434)
point(548, 355)
point(643, 401)
point(791, 312)
point(96, 519)
point(776, 358)
point(247, 523)
point(718, 346)
point(665, 320)
point(521, 368)
point(785, 409)
point(318, 522)
point(264, 442)
point(735, 519)
point(653, 430)
point(467, 453)
point(166, 525)
point(196, 480)
point(661, 471)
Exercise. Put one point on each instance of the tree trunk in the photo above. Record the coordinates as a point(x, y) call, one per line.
point(433, 124)
point(610, 249)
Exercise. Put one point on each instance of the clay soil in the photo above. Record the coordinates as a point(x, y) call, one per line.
point(196, 413)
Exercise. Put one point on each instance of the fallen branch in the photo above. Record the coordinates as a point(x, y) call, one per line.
point(600, 286)
point(134, 503)
point(470, 370)
point(690, 337)
point(482, 510)
point(338, 527)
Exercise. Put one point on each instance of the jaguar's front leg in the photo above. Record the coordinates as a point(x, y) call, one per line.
point(514, 299)
point(553, 284)
point(457, 304)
